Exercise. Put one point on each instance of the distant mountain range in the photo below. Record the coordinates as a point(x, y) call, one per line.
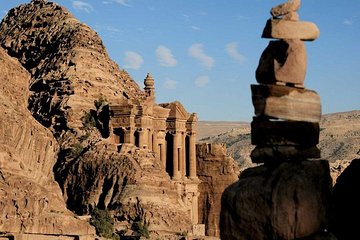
point(339, 138)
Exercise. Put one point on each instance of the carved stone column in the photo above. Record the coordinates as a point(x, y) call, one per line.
point(195, 208)
point(176, 174)
point(129, 136)
point(192, 155)
point(162, 149)
point(155, 143)
point(182, 157)
point(150, 139)
point(142, 138)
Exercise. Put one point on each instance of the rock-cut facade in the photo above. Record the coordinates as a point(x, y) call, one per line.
point(168, 130)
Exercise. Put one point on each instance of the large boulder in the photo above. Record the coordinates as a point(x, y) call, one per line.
point(286, 201)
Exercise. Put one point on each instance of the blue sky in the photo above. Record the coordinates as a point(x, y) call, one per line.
point(204, 53)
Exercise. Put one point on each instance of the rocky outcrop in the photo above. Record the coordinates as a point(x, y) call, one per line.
point(289, 197)
point(346, 202)
point(288, 201)
point(31, 201)
point(130, 183)
point(69, 65)
point(216, 171)
point(72, 81)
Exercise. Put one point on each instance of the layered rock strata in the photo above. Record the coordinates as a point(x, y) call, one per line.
point(31, 203)
point(288, 197)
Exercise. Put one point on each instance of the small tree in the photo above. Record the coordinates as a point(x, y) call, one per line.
point(141, 229)
point(76, 149)
point(88, 121)
point(103, 223)
point(101, 101)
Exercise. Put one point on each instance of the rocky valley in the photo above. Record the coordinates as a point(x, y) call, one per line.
point(339, 140)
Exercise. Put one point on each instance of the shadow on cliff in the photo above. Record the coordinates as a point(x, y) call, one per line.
point(346, 203)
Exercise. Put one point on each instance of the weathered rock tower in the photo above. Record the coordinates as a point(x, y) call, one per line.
point(288, 196)
point(287, 119)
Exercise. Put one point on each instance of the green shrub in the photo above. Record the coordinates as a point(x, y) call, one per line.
point(76, 149)
point(101, 101)
point(103, 223)
point(141, 229)
point(84, 137)
point(88, 120)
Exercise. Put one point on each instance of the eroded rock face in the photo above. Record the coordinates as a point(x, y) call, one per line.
point(30, 199)
point(288, 201)
point(216, 171)
point(68, 63)
point(131, 184)
point(71, 82)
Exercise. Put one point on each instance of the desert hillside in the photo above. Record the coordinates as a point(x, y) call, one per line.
point(339, 137)
point(207, 129)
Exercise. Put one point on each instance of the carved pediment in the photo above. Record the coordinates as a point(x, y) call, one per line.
point(177, 110)
point(161, 112)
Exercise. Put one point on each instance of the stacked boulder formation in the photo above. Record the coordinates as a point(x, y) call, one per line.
point(288, 196)
point(287, 119)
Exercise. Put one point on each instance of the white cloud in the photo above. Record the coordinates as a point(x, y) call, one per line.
point(82, 6)
point(197, 51)
point(165, 57)
point(170, 84)
point(233, 52)
point(121, 2)
point(186, 17)
point(348, 22)
point(133, 60)
point(107, 28)
point(203, 13)
point(195, 28)
point(112, 29)
point(202, 81)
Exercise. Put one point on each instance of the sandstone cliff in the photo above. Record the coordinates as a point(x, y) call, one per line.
point(72, 81)
point(31, 201)
point(69, 65)
point(216, 171)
